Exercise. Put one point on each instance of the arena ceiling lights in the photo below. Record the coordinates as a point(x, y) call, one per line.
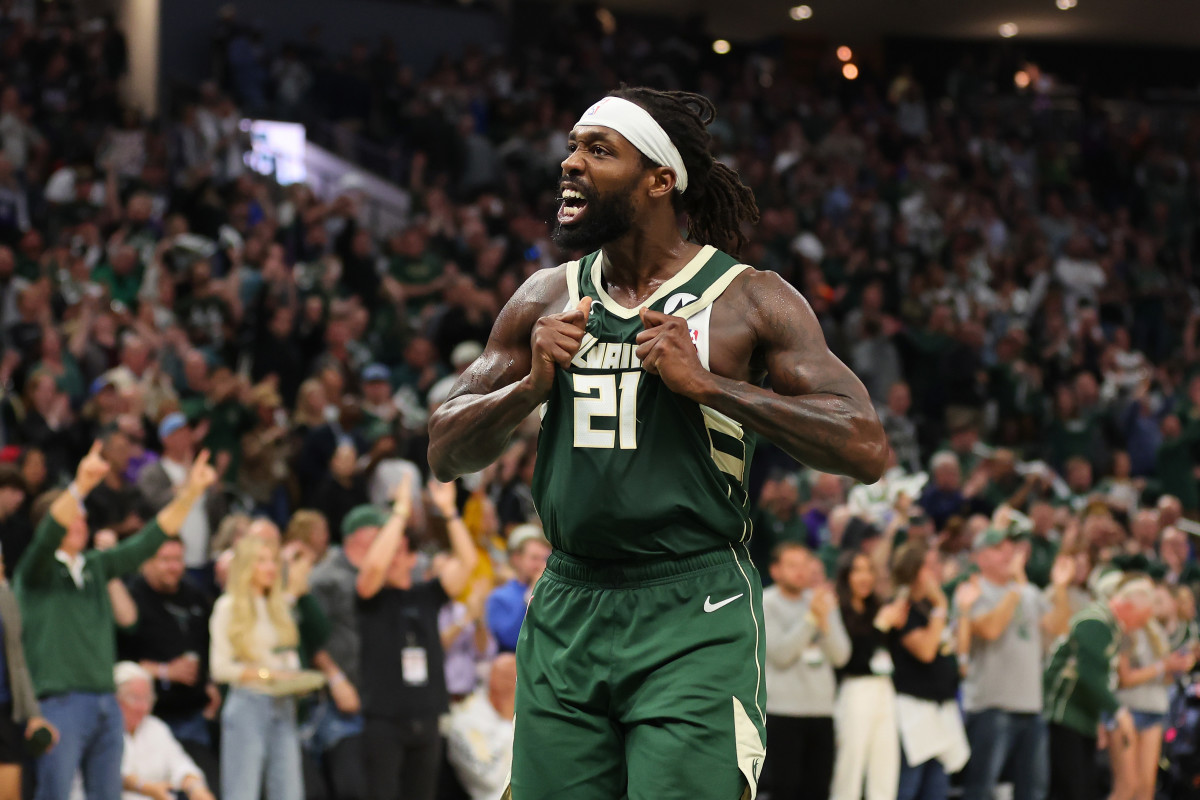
point(1173, 21)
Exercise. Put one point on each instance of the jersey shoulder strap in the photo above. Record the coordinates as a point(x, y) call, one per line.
point(702, 289)
point(579, 278)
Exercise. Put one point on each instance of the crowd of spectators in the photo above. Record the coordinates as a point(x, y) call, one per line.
point(1011, 280)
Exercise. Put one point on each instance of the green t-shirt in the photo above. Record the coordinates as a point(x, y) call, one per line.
point(121, 288)
point(70, 382)
point(227, 421)
point(1073, 437)
point(1042, 553)
point(420, 271)
point(28, 268)
point(1081, 676)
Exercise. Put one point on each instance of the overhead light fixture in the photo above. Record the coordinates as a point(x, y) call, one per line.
point(844, 53)
point(1009, 30)
point(849, 71)
point(721, 47)
point(1021, 79)
point(1066, 5)
point(799, 13)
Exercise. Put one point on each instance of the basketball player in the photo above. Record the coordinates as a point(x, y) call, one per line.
point(640, 660)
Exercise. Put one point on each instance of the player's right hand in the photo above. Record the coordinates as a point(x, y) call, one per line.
point(555, 341)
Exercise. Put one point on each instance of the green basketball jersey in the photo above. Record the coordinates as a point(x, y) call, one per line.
point(627, 468)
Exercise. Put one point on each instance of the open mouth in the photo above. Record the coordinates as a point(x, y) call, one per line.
point(572, 207)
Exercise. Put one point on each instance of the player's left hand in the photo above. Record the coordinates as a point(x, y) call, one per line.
point(665, 348)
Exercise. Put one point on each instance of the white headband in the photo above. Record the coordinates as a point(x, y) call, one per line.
point(643, 132)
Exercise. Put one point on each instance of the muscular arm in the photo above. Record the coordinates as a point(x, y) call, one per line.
point(472, 428)
point(817, 409)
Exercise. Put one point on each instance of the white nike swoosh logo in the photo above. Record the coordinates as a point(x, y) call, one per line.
point(710, 606)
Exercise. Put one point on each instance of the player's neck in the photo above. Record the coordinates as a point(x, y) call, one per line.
point(638, 262)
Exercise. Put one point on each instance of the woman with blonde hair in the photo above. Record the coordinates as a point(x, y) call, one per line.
point(1146, 666)
point(254, 641)
point(310, 405)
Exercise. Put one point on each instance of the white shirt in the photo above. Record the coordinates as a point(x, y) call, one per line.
point(479, 747)
point(74, 564)
point(195, 532)
point(224, 666)
point(154, 756)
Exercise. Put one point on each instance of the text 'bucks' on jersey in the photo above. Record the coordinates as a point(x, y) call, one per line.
point(627, 468)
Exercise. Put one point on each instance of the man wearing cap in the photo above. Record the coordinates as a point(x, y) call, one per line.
point(641, 655)
point(1011, 623)
point(69, 634)
point(379, 411)
point(402, 659)
point(505, 610)
point(338, 738)
point(160, 482)
point(1079, 682)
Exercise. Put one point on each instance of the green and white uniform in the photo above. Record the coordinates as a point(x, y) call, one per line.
point(1081, 679)
point(640, 659)
point(627, 468)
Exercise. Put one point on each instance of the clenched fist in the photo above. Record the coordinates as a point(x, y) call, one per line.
point(555, 341)
point(666, 349)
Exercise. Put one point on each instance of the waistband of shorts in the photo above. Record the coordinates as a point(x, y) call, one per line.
point(618, 574)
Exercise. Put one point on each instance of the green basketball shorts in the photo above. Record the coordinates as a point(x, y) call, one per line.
point(641, 681)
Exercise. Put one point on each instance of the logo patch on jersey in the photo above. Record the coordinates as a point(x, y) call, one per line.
point(678, 301)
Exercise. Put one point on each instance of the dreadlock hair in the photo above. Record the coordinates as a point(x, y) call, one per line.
point(716, 200)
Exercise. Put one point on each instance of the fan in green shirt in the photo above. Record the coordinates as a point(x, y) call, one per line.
point(227, 416)
point(122, 276)
point(69, 628)
point(1081, 675)
point(413, 269)
point(1071, 432)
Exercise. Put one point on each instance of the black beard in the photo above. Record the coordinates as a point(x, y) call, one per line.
point(607, 217)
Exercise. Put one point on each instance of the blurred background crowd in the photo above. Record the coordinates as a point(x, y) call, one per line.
point(1012, 282)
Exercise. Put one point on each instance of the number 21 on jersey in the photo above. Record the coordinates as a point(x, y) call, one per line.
point(606, 395)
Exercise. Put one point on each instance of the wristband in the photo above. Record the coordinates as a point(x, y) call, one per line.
point(938, 613)
point(337, 679)
point(73, 490)
point(162, 673)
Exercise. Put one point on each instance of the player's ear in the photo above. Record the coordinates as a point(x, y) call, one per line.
point(662, 182)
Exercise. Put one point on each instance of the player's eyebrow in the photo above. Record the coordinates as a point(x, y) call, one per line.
point(596, 133)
